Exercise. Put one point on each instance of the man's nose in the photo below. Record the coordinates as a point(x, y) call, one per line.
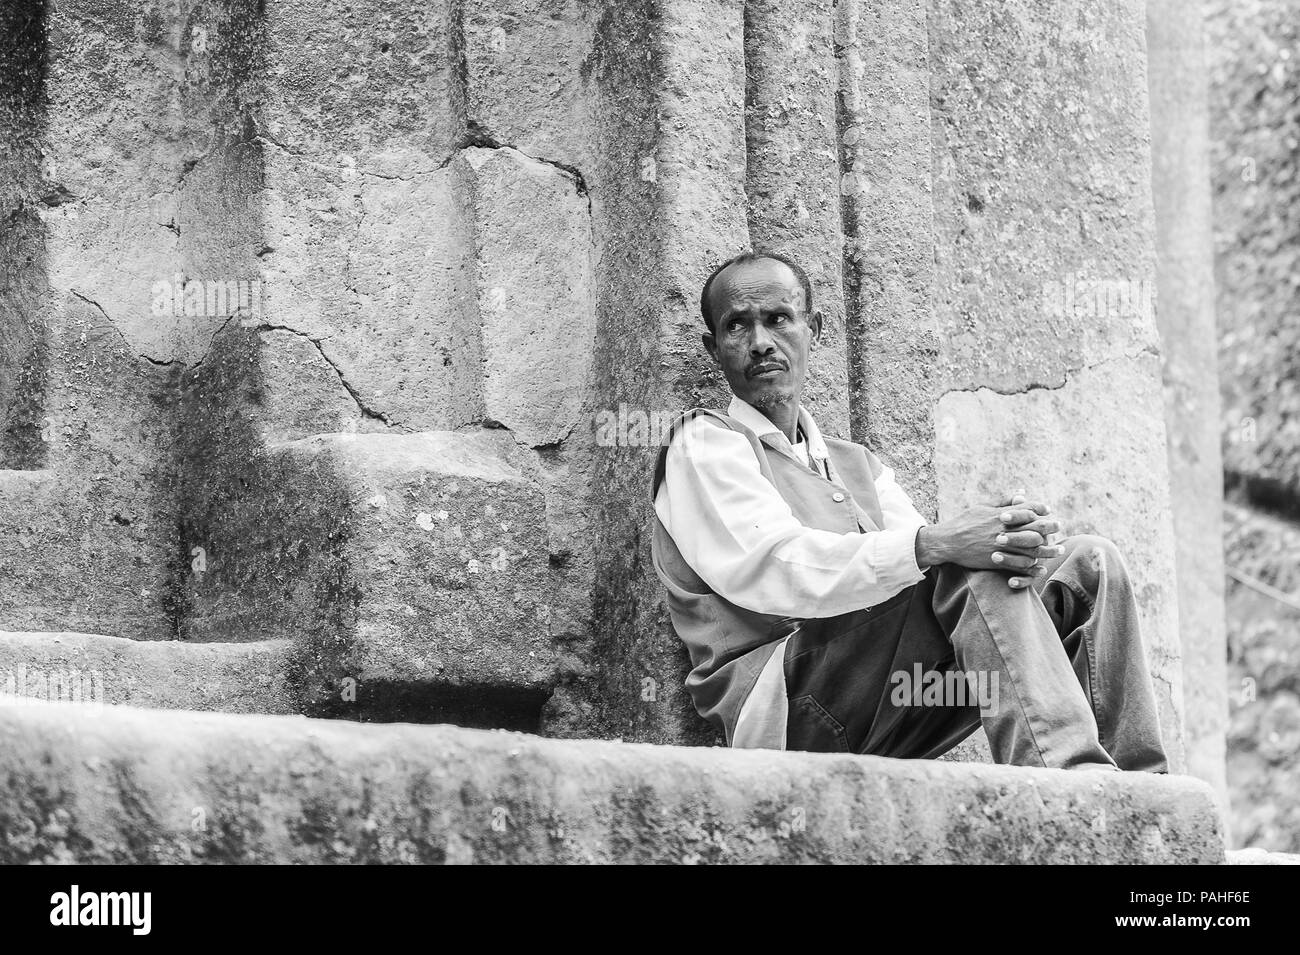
point(760, 342)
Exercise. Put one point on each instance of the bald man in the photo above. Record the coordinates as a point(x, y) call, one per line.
point(823, 612)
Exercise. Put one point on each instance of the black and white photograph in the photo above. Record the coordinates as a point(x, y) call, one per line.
point(651, 432)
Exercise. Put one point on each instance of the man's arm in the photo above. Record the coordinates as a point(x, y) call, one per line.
point(897, 509)
point(737, 532)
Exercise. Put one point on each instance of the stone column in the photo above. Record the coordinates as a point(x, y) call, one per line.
point(1180, 186)
point(95, 152)
point(1045, 254)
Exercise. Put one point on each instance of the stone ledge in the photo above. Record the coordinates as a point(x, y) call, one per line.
point(167, 674)
point(1261, 857)
point(132, 785)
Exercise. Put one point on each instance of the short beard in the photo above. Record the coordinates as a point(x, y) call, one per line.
point(773, 398)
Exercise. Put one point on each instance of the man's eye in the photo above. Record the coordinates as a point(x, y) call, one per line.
point(779, 318)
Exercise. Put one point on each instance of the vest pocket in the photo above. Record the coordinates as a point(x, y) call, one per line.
point(811, 729)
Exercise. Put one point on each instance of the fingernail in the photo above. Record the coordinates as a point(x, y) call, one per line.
point(1016, 581)
point(998, 558)
point(1007, 517)
point(1003, 538)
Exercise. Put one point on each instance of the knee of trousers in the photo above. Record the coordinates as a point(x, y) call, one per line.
point(1095, 553)
point(987, 584)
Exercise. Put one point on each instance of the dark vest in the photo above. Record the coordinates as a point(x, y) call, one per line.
point(729, 645)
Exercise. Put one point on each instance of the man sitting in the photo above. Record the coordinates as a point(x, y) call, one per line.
point(804, 582)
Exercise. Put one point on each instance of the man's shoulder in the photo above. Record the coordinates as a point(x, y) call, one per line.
point(698, 419)
point(702, 439)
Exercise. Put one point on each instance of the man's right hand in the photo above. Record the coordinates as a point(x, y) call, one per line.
point(1013, 537)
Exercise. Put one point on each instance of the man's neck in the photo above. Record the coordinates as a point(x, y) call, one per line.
point(785, 416)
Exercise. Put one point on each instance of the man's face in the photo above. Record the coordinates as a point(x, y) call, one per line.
point(762, 331)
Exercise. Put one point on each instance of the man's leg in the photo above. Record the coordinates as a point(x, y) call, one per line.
point(840, 676)
point(1065, 655)
point(1089, 597)
point(1042, 716)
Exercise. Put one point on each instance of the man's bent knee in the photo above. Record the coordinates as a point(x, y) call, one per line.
point(1098, 553)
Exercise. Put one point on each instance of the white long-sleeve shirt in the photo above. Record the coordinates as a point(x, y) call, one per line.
point(736, 531)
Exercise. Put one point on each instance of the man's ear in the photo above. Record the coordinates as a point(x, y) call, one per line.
point(815, 323)
point(711, 345)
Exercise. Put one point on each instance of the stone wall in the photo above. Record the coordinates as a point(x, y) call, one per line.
point(476, 232)
point(1045, 258)
point(1180, 179)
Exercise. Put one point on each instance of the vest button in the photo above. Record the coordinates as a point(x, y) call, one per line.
point(837, 497)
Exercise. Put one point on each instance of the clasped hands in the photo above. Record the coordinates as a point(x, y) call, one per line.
point(1014, 536)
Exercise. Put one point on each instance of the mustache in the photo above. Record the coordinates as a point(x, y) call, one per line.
point(768, 364)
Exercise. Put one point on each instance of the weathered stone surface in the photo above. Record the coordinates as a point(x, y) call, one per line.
point(1260, 857)
point(668, 196)
point(1180, 182)
point(1041, 176)
point(224, 788)
point(89, 94)
point(413, 561)
point(412, 350)
point(23, 281)
point(447, 552)
point(389, 61)
point(1045, 268)
point(531, 76)
point(698, 166)
point(593, 163)
point(378, 272)
point(300, 392)
point(230, 678)
point(368, 249)
point(90, 549)
point(889, 261)
point(1084, 451)
point(532, 229)
point(792, 179)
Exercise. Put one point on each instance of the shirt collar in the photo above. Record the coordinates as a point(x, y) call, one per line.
point(757, 422)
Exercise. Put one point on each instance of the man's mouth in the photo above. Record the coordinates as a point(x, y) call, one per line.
point(765, 370)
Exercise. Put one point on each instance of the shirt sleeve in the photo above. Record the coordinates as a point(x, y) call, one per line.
point(736, 531)
point(902, 519)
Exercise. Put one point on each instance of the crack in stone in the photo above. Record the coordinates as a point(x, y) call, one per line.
point(1065, 376)
point(263, 136)
point(113, 326)
point(365, 410)
point(368, 173)
point(478, 138)
point(60, 195)
point(413, 176)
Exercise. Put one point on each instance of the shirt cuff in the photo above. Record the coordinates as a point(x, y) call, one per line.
point(896, 557)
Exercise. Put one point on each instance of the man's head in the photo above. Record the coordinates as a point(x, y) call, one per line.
point(759, 312)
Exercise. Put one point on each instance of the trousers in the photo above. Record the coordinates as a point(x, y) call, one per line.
point(1055, 672)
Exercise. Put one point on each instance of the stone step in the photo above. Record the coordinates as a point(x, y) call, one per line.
point(134, 785)
point(83, 549)
point(416, 563)
point(95, 670)
point(1261, 857)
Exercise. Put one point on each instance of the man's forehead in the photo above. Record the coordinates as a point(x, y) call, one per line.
point(755, 282)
